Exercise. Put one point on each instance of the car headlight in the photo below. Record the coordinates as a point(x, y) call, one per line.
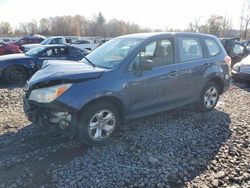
point(236, 68)
point(48, 94)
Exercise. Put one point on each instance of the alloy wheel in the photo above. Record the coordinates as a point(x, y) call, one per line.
point(101, 125)
point(210, 97)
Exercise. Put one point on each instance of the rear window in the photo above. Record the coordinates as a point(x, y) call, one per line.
point(190, 49)
point(213, 47)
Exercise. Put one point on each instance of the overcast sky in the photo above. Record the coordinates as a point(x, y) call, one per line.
point(154, 14)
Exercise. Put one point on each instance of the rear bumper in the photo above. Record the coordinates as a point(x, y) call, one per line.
point(240, 76)
point(227, 83)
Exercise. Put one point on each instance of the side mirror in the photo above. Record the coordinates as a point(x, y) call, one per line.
point(145, 65)
point(238, 49)
point(248, 49)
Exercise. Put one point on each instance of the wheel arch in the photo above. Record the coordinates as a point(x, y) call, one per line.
point(218, 81)
point(15, 65)
point(110, 99)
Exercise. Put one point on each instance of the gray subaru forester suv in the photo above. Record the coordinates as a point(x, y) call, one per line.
point(128, 77)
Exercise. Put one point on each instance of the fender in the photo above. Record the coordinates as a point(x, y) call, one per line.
point(76, 98)
point(216, 72)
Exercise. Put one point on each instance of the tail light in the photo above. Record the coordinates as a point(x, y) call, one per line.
point(228, 60)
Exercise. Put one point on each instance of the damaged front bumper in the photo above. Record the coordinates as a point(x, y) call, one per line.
point(51, 114)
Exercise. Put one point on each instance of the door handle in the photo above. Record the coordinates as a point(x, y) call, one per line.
point(206, 65)
point(172, 74)
point(188, 71)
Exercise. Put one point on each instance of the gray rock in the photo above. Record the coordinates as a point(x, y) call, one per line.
point(220, 175)
point(153, 160)
point(215, 183)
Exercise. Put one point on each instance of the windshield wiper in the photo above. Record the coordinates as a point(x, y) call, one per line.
point(89, 61)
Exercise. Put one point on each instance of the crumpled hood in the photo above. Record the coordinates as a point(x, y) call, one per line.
point(14, 57)
point(65, 70)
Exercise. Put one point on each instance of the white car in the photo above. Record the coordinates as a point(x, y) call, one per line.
point(85, 44)
point(50, 40)
point(241, 70)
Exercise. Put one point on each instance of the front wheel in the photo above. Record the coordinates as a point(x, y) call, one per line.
point(97, 123)
point(209, 97)
point(15, 74)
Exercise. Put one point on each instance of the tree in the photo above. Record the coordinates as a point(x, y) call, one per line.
point(99, 25)
point(45, 26)
point(5, 28)
point(215, 25)
point(80, 26)
point(80, 23)
point(23, 28)
point(245, 19)
point(32, 27)
point(194, 27)
point(28, 27)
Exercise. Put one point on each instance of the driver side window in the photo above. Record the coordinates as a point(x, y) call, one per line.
point(238, 49)
point(159, 52)
point(49, 53)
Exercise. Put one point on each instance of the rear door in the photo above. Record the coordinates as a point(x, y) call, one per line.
point(192, 65)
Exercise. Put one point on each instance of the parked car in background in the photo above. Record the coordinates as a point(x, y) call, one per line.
point(50, 40)
point(228, 43)
point(29, 39)
point(6, 48)
point(128, 77)
point(85, 44)
point(241, 70)
point(101, 40)
point(19, 67)
point(6, 39)
point(239, 51)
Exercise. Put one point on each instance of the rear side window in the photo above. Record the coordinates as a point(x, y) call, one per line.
point(56, 41)
point(63, 52)
point(189, 49)
point(212, 46)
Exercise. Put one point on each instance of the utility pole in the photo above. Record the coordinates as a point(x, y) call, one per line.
point(241, 19)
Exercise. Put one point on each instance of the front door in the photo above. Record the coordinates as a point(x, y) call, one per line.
point(155, 88)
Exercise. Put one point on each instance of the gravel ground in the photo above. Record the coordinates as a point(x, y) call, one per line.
point(177, 148)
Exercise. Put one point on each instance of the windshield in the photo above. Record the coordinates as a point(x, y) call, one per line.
point(35, 51)
point(46, 41)
point(111, 54)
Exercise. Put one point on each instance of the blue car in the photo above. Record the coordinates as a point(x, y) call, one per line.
point(128, 77)
point(19, 67)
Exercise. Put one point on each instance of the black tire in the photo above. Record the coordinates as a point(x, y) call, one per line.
point(88, 115)
point(15, 74)
point(206, 104)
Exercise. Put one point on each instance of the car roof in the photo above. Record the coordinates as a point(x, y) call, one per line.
point(154, 34)
point(56, 45)
point(52, 37)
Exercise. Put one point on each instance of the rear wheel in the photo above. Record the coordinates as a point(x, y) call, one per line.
point(209, 97)
point(97, 123)
point(15, 74)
